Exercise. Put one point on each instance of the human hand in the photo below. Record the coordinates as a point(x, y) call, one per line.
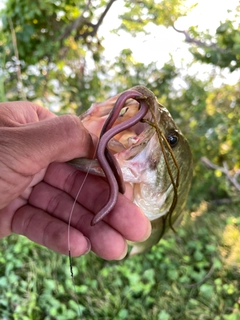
point(37, 187)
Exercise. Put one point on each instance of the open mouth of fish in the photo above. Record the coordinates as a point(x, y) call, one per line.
point(137, 137)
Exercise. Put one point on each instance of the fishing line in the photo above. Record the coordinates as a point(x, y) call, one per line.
point(69, 227)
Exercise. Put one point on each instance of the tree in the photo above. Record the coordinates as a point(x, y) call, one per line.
point(222, 49)
point(46, 45)
point(51, 51)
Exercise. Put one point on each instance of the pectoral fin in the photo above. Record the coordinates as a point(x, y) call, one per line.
point(91, 166)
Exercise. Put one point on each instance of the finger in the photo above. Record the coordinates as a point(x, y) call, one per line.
point(38, 144)
point(106, 242)
point(21, 112)
point(126, 217)
point(42, 228)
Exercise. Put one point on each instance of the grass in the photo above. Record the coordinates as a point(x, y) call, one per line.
point(191, 275)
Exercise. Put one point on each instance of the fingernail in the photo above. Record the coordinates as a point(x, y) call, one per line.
point(148, 233)
point(123, 255)
point(88, 246)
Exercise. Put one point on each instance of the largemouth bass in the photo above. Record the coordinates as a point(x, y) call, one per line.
point(154, 157)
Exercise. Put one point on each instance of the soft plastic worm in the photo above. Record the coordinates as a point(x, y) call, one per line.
point(106, 160)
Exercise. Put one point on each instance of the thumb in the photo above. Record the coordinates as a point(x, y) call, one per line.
point(35, 145)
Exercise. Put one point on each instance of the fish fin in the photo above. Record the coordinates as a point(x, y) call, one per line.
point(156, 235)
point(91, 166)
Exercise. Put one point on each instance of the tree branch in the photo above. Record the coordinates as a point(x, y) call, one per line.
point(76, 24)
point(199, 43)
point(96, 26)
point(20, 87)
point(233, 178)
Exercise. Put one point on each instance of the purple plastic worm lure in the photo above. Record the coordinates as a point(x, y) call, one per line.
point(106, 160)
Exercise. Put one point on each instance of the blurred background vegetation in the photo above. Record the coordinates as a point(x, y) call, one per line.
point(53, 53)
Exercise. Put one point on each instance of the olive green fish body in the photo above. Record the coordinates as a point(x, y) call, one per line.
point(154, 157)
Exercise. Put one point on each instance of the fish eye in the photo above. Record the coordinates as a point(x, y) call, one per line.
point(172, 139)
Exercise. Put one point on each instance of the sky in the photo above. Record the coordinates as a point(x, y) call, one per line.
point(163, 41)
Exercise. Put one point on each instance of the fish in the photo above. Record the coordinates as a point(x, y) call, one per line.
point(150, 153)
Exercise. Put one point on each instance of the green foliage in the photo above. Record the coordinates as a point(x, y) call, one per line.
point(52, 52)
point(40, 38)
point(190, 275)
point(223, 49)
point(141, 13)
point(127, 73)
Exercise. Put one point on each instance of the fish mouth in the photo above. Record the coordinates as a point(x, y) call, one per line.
point(128, 150)
point(99, 113)
point(125, 124)
point(121, 124)
point(132, 136)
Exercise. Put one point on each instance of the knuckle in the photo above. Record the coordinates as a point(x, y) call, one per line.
point(83, 221)
point(55, 202)
point(54, 233)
